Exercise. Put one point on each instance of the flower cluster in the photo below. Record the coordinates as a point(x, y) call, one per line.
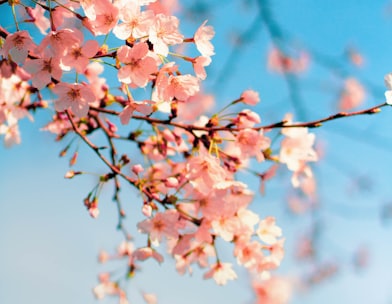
point(187, 177)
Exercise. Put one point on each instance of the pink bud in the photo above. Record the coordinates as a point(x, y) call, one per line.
point(146, 210)
point(171, 182)
point(137, 169)
point(250, 97)
point(94, 212)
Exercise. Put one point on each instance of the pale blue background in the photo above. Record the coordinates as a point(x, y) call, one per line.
point(49, 244)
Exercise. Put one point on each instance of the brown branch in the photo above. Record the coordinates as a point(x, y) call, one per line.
point(113, 168)
point(280, 124)
point(318, 123)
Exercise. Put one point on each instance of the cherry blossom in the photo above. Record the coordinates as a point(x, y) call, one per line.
point(38, 15)
point(164, 32)
point(188, 162)
point(202, 39)
point(44, 69)
point(268, 232)
point(135, 23)
point(162, 224)
point(138, 65)
point(352, 96)
point(78, 56)
point(281, 63)
point(250, 97)
point(252, 143)
point(73, 96)
point(221, 273)
point(17, 45)
point(104, 17)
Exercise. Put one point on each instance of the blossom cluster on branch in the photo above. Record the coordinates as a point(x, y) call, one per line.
point(58, 57)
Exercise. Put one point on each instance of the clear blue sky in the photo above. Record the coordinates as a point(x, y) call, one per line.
point(49, 244)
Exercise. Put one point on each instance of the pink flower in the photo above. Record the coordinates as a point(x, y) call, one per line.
point(106, 17)
point(11, 134)
point(75, 96)
point(17, 45)
point(268, 232)
point(163, 224)
point(143, 107)
point(352, 96)
point(252, 143)
point(250, 97)
point(202, 39)
point(198, 65)
point(195, 106)
point(221, 273)
point(281, 63)
point(40, 21)
point(43, 70)
point(204, 171)
point(225, 226)
point(145, 253)
point(78, 57)
point(166, 7)
point(150, 298)
point(59, 42)
point(247, 119)
point(248, 253)
point(180, 87)
point(164, 32)
point(272, 291)
point(138, 65)
point(388, 81)
point(297, 148)
point(89, 8)
point(136, 24)
point(125, 248)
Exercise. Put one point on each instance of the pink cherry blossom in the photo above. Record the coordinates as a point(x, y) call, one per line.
point(250, 97)
point(59, 42)
point(221, 273)
point(202, 39)
point(150, 298)
point(138, 65)
point(89, 8)
point(352, 96)
point(11, 134)
point(74, 96)
point(247, 119)
point(166, 7)
point(275, 290)
point(195, 106)
point(198, 65)
point(78, 57)
point(268, 232)
point(252, 143)
point(164, 32)
point(297, 147)
point(143, 107)
point(135, 23)
point(163, 224)
point(180, 87)
point(18, 45)
point(44, 69)
point(145, 253)
point(106, 17)
point(125, 248)
point(225, 226)
point(248, 253)
point(204, 171)
point(40, 21)
point(281, 63)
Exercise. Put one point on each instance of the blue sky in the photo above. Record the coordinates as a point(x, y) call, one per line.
point(49, 244)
